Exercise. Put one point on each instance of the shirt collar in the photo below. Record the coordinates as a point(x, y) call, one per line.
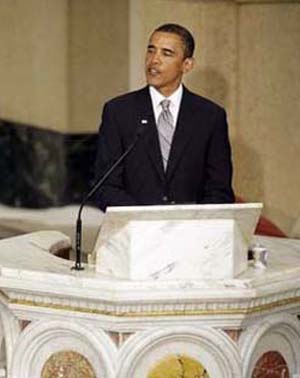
point(157, 97)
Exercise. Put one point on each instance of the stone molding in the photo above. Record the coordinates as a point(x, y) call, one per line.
point(158, 307)
point(9, 332)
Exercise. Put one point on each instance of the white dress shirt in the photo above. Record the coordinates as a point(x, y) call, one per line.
point(175, 100)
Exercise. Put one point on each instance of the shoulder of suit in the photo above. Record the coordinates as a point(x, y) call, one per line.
point(127, 97)
point(202, 101)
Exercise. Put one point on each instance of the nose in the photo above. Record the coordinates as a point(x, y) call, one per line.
point(155, 58)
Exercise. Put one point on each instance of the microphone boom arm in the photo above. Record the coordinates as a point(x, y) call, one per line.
point(78, 237)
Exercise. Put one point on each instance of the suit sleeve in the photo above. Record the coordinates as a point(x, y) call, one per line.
point(218, 172)
point(110, 148)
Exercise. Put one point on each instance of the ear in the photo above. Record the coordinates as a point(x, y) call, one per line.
point(188, 64)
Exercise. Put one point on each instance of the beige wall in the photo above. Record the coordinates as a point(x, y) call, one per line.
point(60, 59)
point(98, 60)
point(33, 62)
point(214, 27)
point(267, 145)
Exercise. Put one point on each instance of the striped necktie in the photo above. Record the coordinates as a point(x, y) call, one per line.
point(165, 130)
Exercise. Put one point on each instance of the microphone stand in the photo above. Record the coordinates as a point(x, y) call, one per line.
point(98, 185)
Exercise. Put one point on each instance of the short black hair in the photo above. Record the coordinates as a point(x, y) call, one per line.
point(183, 33)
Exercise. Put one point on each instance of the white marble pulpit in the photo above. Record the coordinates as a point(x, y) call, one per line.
point(176, 242)
point(56, 322)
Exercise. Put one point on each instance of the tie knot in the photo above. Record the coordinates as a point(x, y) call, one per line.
point(165, 104)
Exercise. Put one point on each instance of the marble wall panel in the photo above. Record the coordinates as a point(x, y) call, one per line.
point(42, 168)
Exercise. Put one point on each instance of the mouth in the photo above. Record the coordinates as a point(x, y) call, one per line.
point(153, 71)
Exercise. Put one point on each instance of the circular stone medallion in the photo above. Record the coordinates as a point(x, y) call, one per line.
point(67, 364)
point(178, 366)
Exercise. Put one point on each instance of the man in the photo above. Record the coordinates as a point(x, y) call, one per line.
point(182, 154)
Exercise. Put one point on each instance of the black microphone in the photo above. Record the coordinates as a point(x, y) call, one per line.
point(93, 190)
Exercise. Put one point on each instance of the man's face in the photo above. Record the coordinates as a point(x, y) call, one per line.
point(165, 62)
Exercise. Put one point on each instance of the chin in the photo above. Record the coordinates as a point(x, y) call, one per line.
point(154, 83)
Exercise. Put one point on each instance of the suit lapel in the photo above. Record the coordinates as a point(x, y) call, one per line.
point(150, 135)
point(183, 133)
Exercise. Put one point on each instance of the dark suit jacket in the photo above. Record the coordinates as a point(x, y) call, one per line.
point(199, 168)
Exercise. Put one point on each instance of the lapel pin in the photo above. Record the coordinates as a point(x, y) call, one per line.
point(144, 121)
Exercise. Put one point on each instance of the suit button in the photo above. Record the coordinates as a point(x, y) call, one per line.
point(165, 198)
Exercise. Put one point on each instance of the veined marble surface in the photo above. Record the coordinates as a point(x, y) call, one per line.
point(35, 284)
point(27, 257)
point(33, 252)
point(169, 250)
point(176, 242)
point(245, 215)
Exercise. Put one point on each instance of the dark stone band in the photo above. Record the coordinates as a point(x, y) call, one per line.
point(42, 168)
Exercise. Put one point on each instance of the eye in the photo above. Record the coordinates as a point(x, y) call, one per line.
point(150, 50)
point(168, 52)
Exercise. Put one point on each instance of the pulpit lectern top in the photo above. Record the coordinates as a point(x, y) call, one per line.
point(176, 242)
